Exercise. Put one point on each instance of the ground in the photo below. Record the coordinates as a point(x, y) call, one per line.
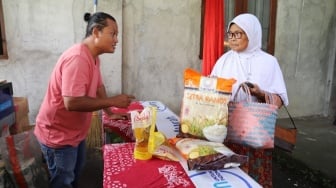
point(291, 173)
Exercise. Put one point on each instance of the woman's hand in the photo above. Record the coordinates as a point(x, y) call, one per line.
point(260, 94)
point(256, 91)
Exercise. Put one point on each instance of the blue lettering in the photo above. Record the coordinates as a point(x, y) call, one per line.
point(213, 175)
point(222, 184)
point(174, 121)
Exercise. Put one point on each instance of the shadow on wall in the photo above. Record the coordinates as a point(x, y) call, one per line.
point(332, 109)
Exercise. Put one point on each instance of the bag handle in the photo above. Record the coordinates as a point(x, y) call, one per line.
point(267, 94)
point(247, 91)
point(290, 117)
point(243, 85)
point(270, 98)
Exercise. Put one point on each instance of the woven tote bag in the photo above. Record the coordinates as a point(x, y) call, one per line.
point(252, 123)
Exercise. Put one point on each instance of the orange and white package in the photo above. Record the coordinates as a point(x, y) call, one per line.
point(204, 111)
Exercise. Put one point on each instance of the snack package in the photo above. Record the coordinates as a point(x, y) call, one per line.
point(205, 155)
point(166, 152)
point(204, 111)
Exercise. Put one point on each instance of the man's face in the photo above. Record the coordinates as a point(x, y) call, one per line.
point(108, 37)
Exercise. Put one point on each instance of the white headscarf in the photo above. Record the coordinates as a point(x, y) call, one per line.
point(252, 27)
point(252, 64)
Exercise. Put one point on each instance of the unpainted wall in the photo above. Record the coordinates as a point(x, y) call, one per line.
point(161, 39)
point(157, 41)
point(305, 48)
point(37, 32)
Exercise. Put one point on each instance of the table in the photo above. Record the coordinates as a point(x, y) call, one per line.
point(122, 170)
point(167, 121)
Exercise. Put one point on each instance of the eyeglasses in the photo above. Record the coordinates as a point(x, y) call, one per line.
point(236, 35)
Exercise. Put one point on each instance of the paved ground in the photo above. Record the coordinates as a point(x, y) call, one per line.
point(311, 165)
point(313, 161)
point(92, 176)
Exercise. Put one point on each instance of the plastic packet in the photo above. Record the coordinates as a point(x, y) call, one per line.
point(142, 123)
point(148, 141)
point(205, 155)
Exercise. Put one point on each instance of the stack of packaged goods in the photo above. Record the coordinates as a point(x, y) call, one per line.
point(7, 112)
point(21, 163)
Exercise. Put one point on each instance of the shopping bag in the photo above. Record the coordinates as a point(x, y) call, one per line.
point(252, 123)
point(23, 160)
point(285, 137)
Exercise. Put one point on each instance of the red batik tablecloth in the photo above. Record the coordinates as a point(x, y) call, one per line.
point(121, 127)
point(166, 120)
point(122, 170)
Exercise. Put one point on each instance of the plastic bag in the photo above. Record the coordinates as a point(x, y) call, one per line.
point(23, 160)
point(5, 180)
point(143, 124)
point(205, 155)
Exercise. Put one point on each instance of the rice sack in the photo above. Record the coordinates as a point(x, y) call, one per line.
point(204, 111)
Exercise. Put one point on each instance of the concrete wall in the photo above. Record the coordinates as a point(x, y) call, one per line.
point(38, 31)
point(161, 39)
point(158, 39)
point(305, 47)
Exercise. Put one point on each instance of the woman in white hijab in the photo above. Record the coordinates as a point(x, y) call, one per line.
point(246, 62)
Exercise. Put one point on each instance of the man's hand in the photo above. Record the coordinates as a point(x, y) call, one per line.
point(122, 100)
point(119, 116)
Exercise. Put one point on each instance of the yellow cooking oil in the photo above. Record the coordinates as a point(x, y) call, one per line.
point(142, 122)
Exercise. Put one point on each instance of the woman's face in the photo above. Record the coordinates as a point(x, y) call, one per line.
point(238, 40)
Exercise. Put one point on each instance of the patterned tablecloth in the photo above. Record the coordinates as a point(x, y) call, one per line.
point(167, 121)
point(122, 170)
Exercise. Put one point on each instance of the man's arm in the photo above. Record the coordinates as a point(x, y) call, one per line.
point(101, 93)
point(89, 104)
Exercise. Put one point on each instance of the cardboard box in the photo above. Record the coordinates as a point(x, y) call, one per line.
point(21, 107)
point(22, 123)
point(21, 114)
point(26, 128)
